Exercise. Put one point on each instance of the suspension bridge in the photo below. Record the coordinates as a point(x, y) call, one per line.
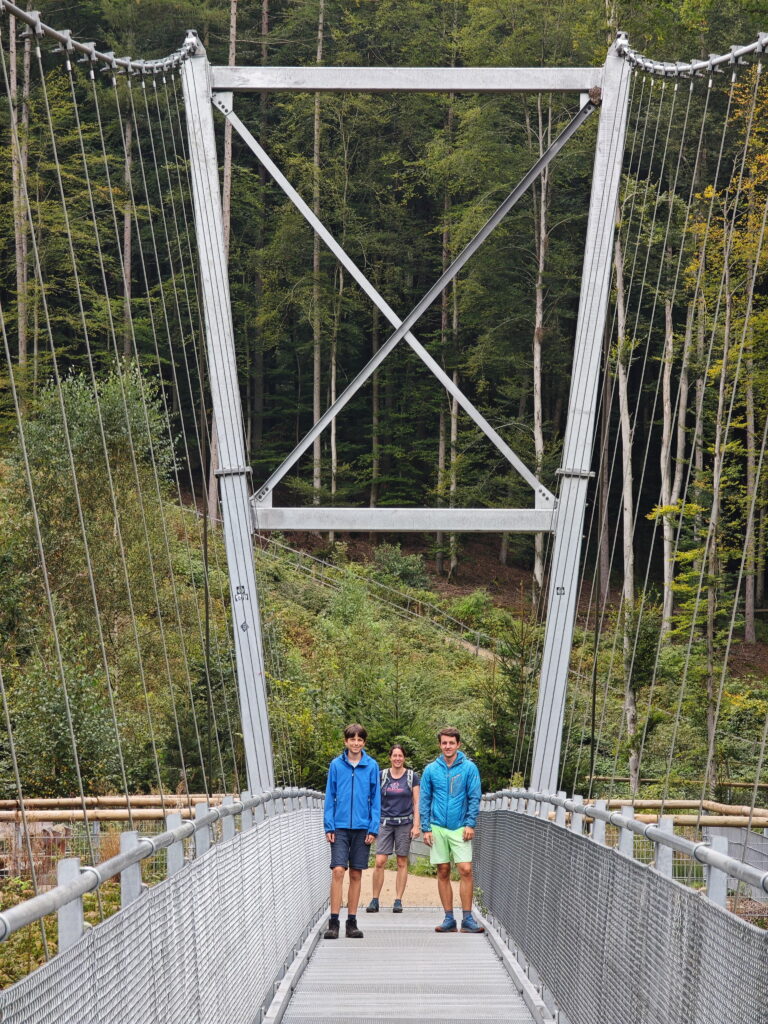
point(594, 912)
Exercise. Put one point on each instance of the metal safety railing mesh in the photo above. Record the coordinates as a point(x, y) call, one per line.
point(612, 939)
point(205, 946)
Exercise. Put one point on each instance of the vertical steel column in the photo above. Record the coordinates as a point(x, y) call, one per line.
point(577, 449)
point(227, 414)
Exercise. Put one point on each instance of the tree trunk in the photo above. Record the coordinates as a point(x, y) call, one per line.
point(19, 214)
point(711, 554)
point(603, 550)
point(623, 362)
point(127, 243)
point(452, 543)
point(440, 537)
point(334, 345)
point(375, 414)
point(750, 560)
point(316, 333)
point(226, 185)
point(668, 528)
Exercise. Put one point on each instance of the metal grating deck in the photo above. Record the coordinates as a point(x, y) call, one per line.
point(403, 972)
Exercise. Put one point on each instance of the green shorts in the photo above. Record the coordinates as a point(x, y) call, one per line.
point(449, 844)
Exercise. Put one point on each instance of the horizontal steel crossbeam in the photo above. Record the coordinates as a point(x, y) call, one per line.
point(406, 520)
point(407, 79)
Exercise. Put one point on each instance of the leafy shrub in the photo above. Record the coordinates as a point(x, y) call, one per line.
point(392, 565)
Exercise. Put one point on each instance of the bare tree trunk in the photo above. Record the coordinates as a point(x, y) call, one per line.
point(603, 550)
point(668, 528)
point(334, 345)
point(623, 360)
point(750, 560)
point(256, 408)
point(444, 333)
point(316, 333)
point(19, 218)
point(452, 540)
point(711, 555)
point(440, 538)
point(541, 201)
point(127, 243)
point(375, 414)
point(226, 185)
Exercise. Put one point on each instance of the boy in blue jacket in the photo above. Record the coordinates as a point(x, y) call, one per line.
point(351, 823)
point(449, 802)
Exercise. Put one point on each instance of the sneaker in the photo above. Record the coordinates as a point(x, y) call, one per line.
point(373, 907)
point(397, 907)
point(353, 932)
point(332, 931)
point(470, 925)
point(448, 925)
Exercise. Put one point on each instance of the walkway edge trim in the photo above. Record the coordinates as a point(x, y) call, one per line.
point(290, 980)
point(533, 1000)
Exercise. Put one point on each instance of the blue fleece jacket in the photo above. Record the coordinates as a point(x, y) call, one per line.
point(352, 795)
point(450, 797)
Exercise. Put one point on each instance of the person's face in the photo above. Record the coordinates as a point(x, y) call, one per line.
point(354, 745)
point(448, 746)
point(397, 758)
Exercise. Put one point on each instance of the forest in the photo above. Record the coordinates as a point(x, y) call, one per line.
point(114, 646)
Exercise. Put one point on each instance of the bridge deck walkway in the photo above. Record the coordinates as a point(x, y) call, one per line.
point(403, 972)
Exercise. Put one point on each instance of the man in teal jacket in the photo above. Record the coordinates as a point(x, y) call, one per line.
point(351, 823)
point(450, 799)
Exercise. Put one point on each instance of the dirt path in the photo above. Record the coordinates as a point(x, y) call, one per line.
point(420, 892)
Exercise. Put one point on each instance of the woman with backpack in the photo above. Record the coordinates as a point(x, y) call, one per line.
point(399, 824)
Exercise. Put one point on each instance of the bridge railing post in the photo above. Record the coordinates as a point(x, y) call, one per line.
point(70, 916)
point(717, 880)
point(560, 809)
point(597, 832)
point(130, 878)
point(203, 834)
point(577, 820)
point(246, 818)
point(228, 821)
point(627, 838)
point(175, 854)
point(664, 854)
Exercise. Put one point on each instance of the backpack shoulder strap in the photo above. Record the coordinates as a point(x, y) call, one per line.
point(410, 778)
point(384, 776)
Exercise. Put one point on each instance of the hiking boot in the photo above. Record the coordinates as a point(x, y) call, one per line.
point(332, 931)
point(448, 925)
point(470, 925)
point(353, 932)
point(373, 906)
point(397, 907)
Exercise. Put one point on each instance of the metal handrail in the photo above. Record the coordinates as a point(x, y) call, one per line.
point(68, 44)
point(699, 851)
point(678, 69)
point(92, 876)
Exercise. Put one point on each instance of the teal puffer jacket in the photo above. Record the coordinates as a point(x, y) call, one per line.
point(450, 797)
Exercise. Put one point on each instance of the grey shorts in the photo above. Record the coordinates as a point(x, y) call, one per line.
point(394, 839)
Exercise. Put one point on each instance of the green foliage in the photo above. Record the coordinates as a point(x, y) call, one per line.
point(392, 566)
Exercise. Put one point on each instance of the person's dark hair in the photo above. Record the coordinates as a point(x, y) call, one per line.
point(448, 730)
point(355, 729)
point(397, 746)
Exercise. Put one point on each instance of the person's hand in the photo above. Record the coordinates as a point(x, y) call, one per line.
point(369, 839)
point(415, 832)
point(428, 838)
point(331, 837)
point(469, 833)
